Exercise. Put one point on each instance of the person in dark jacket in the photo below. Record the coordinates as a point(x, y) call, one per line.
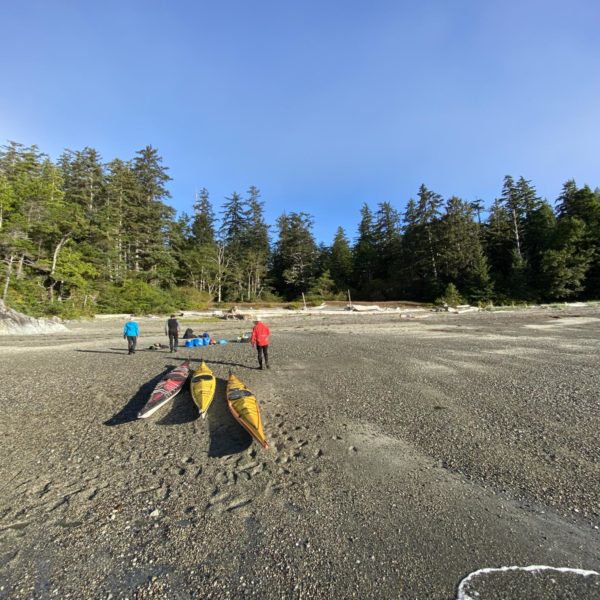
point(131, 331)
point(172, 330)
point(260, 337)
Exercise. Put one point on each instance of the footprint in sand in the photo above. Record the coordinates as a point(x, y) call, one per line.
point(16, 525)
point(247, 466)
point(226, 502)
point(238, 503)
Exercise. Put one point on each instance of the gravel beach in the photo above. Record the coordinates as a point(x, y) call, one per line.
point(405, 454)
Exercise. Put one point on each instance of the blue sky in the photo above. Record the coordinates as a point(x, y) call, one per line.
point(323, 105)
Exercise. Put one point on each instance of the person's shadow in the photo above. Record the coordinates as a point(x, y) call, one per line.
point(130, 411)
point(109, 351)
point(228, 364)
point(227, 436)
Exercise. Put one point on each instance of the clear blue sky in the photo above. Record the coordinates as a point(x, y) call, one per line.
point(323, 105)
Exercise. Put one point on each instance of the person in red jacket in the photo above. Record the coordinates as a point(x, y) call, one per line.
point(260, 337)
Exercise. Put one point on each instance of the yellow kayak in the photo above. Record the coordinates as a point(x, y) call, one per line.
point(244, 408)
point(203, 386)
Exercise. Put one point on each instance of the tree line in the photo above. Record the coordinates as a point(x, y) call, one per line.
point(79, 236)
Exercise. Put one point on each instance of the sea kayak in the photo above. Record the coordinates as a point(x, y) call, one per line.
point(244, 408)
point(168, 387)
point(202, 385)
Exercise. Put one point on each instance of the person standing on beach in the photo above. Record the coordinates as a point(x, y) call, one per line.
point(172, 330)
point(131, 331)
point(260, 337)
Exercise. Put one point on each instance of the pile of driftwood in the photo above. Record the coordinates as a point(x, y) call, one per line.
point(233, 314)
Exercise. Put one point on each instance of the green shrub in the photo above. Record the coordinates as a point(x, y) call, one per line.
point(189, 298)
point(451, 296)
point(69, 309)
point(268, 295)
point(135, 296)
point(27, 297)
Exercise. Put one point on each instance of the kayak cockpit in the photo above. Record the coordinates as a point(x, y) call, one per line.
point(202, 378)
point(237, 394)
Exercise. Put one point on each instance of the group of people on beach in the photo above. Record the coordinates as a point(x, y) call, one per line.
point(259, 338)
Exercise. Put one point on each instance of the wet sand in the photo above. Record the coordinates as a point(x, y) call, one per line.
point(405, 454)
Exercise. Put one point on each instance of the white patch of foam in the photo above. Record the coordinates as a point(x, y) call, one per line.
point(468, 580)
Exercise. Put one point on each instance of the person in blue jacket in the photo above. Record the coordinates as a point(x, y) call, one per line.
point(131, 331)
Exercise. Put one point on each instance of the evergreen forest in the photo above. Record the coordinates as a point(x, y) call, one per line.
point(80, 236)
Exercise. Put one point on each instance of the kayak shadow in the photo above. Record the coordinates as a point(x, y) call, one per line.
point(183, 409)
point(130, 411)
point(227, 436)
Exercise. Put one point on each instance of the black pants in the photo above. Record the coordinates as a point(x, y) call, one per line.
point(131, 343)
point(173, 340)
point(263, 351)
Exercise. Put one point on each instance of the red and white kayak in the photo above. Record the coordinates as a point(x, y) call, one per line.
point(168, 387)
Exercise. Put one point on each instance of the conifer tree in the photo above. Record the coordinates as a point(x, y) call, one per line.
point(584, 205)
point(565, 264)
point(20, 168)
point(118, 217)
point(149, 226)
point(294, 255)
point(340, 261)
point(231, 236)
point(256, 245)
point(200, 259)
point(539, 231)
point(84, 179)
point(203, 225)
point(462, 260)
point(513, 254)
point(365, 253)
point(421, 245)
point(565, 203)
point(233, 222)
point(387, 240)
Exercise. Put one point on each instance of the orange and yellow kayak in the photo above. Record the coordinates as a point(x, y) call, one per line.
point(244, 408)
point(202, 385)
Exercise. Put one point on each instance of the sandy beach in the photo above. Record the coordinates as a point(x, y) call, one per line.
point(405, 454)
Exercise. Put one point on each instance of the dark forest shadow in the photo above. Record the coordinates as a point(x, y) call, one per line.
point(227, 436)
point(130, 411)
point(183, 409)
